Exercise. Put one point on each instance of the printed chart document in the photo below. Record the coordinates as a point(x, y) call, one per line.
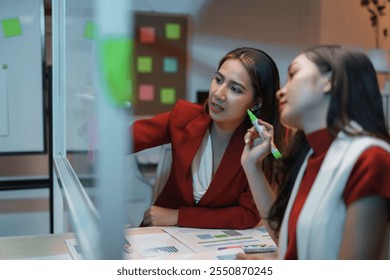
point(155, 245)
point(201, 240)
point(162, 245)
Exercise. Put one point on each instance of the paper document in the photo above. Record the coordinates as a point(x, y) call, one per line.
point(228, 254)
point(201, 240)
point(154, 245)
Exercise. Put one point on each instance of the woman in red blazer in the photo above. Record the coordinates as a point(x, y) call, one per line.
point(207, 187)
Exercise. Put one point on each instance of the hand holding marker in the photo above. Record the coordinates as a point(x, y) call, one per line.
point(259, 128)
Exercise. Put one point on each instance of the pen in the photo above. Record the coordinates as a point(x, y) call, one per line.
point(259, 128)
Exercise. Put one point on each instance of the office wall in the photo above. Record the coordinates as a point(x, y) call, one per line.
point(347, 23)
point(21, 80)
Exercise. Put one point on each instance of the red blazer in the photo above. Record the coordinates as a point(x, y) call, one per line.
point(228, 202)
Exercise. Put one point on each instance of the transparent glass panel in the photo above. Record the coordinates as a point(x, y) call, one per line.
point(80, 89)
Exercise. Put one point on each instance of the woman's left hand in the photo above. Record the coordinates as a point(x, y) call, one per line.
point(257, 148)
point(160, 216)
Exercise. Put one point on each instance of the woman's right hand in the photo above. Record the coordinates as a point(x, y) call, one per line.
point(256, 148)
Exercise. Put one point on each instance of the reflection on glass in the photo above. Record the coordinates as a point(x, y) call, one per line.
point(80, 90)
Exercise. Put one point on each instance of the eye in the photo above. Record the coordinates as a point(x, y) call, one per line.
point(236, 89)
point(291, 74)
point(218, 79)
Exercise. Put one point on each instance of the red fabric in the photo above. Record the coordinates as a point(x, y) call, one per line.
point(369, 176)
point(228, 202)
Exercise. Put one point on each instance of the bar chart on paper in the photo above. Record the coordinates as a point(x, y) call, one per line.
point(219, 239)
point(165, 249)
point(156, 245)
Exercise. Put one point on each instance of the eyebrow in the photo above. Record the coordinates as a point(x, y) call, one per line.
point(290, 66)
point(232, 81)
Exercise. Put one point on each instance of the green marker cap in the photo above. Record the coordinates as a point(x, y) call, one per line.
point(251, 116)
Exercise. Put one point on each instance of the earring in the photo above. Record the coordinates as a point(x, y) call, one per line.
point(256, 107)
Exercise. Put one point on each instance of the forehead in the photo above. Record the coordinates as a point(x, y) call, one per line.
point(302, 60)
point(235, 70)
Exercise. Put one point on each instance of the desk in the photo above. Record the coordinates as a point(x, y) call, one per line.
point(51, 246)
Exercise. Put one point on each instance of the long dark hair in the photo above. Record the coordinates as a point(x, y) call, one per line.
point(265, 80)
point(354, 96)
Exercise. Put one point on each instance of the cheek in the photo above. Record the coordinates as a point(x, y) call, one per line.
point(211, 89)
point(290, 113)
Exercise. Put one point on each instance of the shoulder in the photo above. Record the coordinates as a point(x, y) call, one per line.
point(184, 105)
point(374, 160)
point(375, 155)
point(369, 175)
point(185, 110)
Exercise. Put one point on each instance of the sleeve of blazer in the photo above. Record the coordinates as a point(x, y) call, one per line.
point(148, 133)
point(155, 131)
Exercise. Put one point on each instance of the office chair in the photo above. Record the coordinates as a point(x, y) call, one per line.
point(163, 169)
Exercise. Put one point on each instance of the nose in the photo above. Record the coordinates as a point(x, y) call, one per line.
point(220, 93)
point(281, 92)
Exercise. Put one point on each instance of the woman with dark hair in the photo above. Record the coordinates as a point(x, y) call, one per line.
point(333, 199)
point(207, 187)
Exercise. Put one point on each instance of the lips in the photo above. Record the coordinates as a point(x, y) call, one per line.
point(281, 106)
point(216, 108)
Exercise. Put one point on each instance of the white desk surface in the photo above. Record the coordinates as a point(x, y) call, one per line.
point(51, 246)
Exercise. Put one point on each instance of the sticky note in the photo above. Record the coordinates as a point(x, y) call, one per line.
point(144, 64)
point(145, 92)
point(170, 64)
point(11, 27)
point(90, 30)
point(116, 52)
point(172, 31)
point(167, 96)
point(147, 35)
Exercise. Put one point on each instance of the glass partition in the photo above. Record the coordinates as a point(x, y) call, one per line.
point(90, 128)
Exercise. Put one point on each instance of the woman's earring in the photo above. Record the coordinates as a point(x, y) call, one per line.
point(256, 107)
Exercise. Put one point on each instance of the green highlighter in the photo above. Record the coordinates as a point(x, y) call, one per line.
point(259, 128)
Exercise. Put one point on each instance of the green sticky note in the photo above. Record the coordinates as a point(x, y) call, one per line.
point(90, 30)
point(11, 27)
point(168, 96)
point(116, 54)
point(172, 31)
point(144, 64)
